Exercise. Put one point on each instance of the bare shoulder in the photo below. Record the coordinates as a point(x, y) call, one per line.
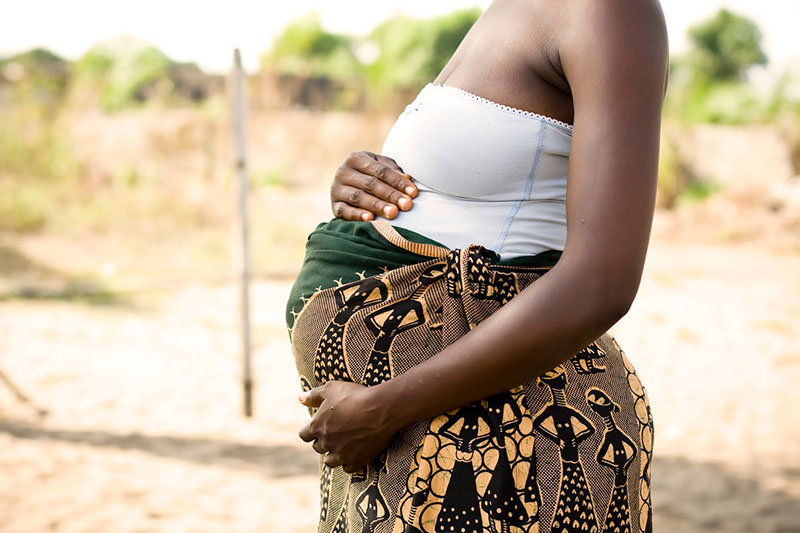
point(627, 19)
point(629, 36)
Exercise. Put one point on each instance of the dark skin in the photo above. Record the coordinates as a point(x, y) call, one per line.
point(600, 65)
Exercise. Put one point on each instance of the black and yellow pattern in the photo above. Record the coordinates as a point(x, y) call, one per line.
point(567, 452)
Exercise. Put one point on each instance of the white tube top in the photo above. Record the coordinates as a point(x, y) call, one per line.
point(487, 173)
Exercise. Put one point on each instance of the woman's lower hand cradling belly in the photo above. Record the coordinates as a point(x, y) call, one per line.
point(350, 427)
point(367, 185)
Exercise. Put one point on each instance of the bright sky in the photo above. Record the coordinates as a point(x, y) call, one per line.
point(206, 32)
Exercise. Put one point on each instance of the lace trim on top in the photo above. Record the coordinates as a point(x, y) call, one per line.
point(505, 107)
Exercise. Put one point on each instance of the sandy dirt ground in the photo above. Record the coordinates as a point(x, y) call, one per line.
point(144, 432)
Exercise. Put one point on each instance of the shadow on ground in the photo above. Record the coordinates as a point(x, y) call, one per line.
point(274, 461)
point(697, 496)
point(22, 278)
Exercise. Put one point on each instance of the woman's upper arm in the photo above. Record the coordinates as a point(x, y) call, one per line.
point(615, 57)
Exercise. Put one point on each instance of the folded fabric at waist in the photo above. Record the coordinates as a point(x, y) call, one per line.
point(340, 251)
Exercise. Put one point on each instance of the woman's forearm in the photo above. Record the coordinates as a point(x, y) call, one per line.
point(545, 324)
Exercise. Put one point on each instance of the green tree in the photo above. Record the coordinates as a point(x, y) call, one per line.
point(725, 46)
point(120, 70)
point(414, 51)
point(708, 83)
point(306, 49)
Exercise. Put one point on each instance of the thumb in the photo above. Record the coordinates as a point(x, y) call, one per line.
point(312, 398)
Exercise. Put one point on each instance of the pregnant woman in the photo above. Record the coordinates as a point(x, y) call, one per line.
point(455, 360)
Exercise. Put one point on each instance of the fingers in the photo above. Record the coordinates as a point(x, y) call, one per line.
point(386, 160)
point(318, 447)
point(405, 182)
point(368, 185)
point(332, 460)
point(314, 397)
point(305, 432)
point(348, 212)
point(358, 196)
point(384, 169)
point(378, 189)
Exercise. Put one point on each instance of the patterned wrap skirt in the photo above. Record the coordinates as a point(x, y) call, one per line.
point(569, 451)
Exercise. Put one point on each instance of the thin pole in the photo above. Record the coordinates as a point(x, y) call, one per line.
point(240, 129)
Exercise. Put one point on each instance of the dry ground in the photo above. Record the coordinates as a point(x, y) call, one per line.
point(144, 432)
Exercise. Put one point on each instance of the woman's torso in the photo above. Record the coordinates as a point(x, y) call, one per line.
point(488, 141)
point(486, 174)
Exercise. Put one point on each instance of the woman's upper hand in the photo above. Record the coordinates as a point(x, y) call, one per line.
point(350, 426)
point(367, 185)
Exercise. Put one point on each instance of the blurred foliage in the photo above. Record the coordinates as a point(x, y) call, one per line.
point(275, 177)
point(697, 191)
point(400, 53)
point(709, 83)
point(37, 165)
point(37, 69)
point(306, 49)
point(412, 51)
point(121, 70)
point(700, 101)
point(674, 172)
point(725, 46)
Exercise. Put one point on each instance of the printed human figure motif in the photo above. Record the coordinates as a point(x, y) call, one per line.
point(617, 451)
point(565, 426)
point(371, 505)
point(329, 360)
point(501, 501)
point(389, 321)
point(460, 511)
point(585, 360)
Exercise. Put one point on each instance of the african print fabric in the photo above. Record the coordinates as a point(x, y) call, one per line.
point(567, 452)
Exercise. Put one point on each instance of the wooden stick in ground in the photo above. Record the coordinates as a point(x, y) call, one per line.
point(240, 129)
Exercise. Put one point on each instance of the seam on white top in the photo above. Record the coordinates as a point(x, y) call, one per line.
point(525, 196)
point(504, 107)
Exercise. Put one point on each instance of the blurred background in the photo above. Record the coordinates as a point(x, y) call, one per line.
point(120, 394)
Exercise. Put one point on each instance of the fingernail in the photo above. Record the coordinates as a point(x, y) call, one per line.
point(365, 217)
point(403, 203)
point(387, 210)
point(302, 397)
point(409, 190)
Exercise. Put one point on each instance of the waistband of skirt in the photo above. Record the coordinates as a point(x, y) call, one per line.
point(379, 239)
point(419, 244)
